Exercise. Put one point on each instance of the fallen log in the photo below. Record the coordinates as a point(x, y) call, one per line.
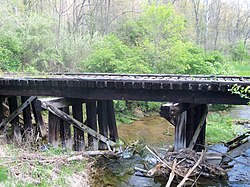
point(235, 152)
point(91, 153)
point(76, 123)
point(237, 141)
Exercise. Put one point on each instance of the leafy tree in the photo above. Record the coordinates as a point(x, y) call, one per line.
point(240, 52)
point(10, 54)
point(113, 56)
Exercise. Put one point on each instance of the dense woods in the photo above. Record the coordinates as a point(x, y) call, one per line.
point(178, 36)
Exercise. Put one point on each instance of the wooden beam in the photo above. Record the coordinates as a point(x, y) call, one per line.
point(14, 110)
point(13, 118)
point(171, 110)
point(234, 153)
point(180, 131)
point(27, 120)
point(38, 117)
point(111, 121)
point(61, 102)
point(178, 96)
point(54, 123)
point(76, 123)
point(1, 109)
point(198, 129)
point(65, 132)
point(102, 122)
point(78, 134)
point(200, 142)
point(91, 121)
point(190, 126)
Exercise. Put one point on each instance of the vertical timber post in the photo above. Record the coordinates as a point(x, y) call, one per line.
point(102, 121)
point(194, 118)
point(78, 135)
point(111, 121)
point(65, 132)
point(54, 123)
point(200, 143)
point(180, 131)
point(27, 119)
point(190, 124)
point(91, 122)
point(1, 109)
point(15, 122)
point(36, 108)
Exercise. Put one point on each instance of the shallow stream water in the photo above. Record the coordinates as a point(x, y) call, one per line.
point(159, 134)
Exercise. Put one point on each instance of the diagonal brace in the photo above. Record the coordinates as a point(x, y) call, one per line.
point(76, 123)
point(17, 111)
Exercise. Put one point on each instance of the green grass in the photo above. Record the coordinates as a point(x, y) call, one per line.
point(219, 128)
point(3, 174)
point(53, 173)
point(242, 68)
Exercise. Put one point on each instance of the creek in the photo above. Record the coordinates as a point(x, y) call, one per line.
point(159, 134)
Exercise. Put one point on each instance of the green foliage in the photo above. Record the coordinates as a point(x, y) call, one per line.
point(149, 106)
point(3, 174)
point(240, 52)
point(219, 128)
point(219, 107)
point(39, 41)
point(243, 91)
point(242, 68)
point(113, 56)
point(74, 49)
point(161, 32)
point(10, 54)
point(158, 34)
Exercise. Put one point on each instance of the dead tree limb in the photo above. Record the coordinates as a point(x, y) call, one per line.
point(171, 177)
point(191, 170)
point(164, 162)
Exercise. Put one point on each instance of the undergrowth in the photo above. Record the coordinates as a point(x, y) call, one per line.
point(219, 128)
point(129, 111)
point(24, 168)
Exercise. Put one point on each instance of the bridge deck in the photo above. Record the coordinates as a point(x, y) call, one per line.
point(200, 89)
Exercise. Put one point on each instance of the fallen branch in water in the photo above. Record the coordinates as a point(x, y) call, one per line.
point(171, 177)
point(191, 170)
point(164, 162)
point(187, 167)
point(82, 155)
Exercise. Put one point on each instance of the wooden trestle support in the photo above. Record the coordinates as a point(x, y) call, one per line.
point(72, 123)
point(190, 124)
point(11, 109)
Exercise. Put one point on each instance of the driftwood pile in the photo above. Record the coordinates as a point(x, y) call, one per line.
point(183, 167)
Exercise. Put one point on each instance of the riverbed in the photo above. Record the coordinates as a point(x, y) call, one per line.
point(159, 134)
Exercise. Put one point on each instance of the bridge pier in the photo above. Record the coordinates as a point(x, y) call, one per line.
point(187, 119)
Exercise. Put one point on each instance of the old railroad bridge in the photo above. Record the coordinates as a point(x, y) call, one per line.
point(81, 109)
